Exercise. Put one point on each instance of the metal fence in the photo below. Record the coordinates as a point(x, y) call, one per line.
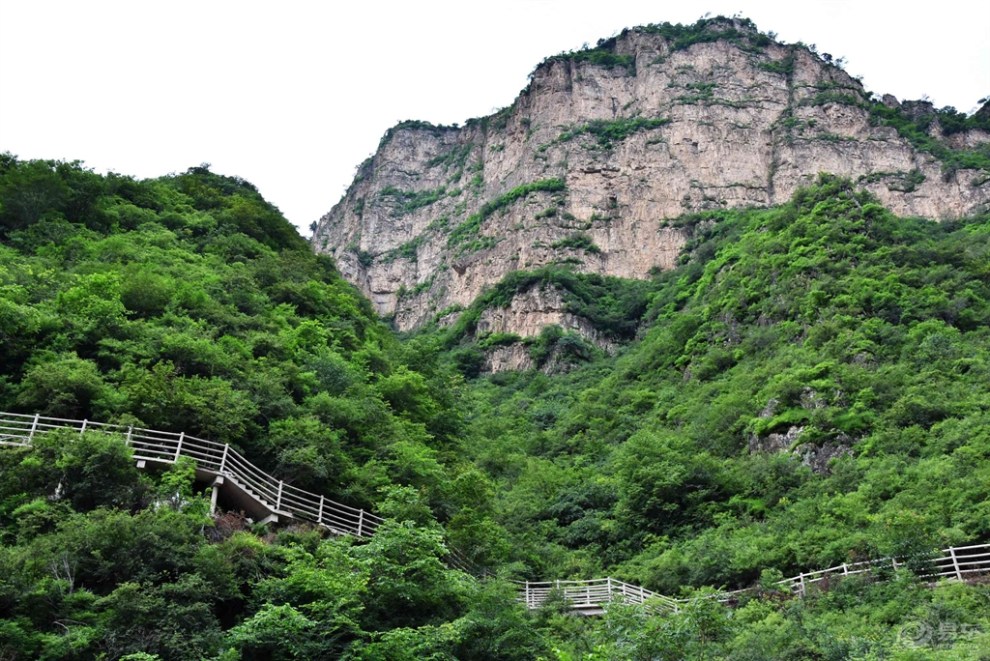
point(216, 459)
point(282, 499)
point(591, 594)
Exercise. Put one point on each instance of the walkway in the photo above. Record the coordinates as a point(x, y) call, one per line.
point(269, 500)
point(249, 488)
point(962, 563)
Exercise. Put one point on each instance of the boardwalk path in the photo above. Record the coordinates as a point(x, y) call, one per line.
point(263, 496)
point(269, 499)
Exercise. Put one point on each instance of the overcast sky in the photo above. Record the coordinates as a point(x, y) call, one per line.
point(292, 95)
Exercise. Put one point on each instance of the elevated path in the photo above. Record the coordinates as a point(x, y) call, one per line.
point(262, 496)
point(269, 499)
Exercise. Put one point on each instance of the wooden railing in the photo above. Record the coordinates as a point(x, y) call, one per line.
point(277, 497)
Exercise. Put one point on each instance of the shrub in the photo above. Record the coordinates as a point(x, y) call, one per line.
point(469, 228)
point(577, 241)
point(609, 132)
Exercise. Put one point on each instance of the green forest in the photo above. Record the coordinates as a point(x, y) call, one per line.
point(809, 386)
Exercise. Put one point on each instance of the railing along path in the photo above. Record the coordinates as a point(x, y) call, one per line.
point(591, 596)
point(960, 563)
point(956, 562)
point(273, 497)
point(278, 499)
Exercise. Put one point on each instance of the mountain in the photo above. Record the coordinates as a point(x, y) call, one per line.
point(806, 384)
point(605, 147)
point(810, 388)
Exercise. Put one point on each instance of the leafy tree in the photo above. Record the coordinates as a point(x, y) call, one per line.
point(408, 583)
point(64, 385)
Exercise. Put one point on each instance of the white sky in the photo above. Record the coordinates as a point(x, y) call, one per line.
point(292, 95)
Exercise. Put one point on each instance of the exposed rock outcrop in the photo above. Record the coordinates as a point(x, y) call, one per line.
point(599, 151)
point(532, 310)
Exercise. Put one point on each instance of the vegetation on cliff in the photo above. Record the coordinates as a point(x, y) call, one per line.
point(468, 230)
point(809, 386)
point(826, 334)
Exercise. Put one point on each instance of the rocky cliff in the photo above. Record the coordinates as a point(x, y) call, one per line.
point(606, 145)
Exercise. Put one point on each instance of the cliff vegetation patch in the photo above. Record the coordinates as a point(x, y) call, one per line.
point(468, 230)
point(607, 132)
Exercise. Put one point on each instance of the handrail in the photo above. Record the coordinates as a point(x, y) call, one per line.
point(959, 563)
point(592, 594)
point(212, 458)
point(954, 562)
point(220, 460)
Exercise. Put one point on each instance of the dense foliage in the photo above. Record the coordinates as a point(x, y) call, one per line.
point(810, 386)
point(828, 328)
point(189, 303)
point(123, 563)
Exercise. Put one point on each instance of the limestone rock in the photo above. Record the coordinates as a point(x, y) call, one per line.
point(639, 131)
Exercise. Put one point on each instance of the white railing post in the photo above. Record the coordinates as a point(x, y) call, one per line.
point(82, 430)
point(801, 580)
point(845, 569)
point(360, 521)
point(223, 459)
point(34, 427)
point(178, 447)
point(526, 596)
point(319, 514)
point(278, 499)
point(955, 562)
point(127, 439)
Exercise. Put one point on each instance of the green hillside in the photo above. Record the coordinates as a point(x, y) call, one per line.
point(810, 386)
point(864, 335)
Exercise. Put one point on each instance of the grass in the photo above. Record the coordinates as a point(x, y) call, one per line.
point(465, 234)
point(409, 201)
point(606, 133)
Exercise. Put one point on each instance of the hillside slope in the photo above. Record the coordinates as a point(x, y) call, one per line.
point(811, 389)
point(189, 303)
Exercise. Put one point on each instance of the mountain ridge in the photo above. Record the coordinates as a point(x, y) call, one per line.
point(606, 145)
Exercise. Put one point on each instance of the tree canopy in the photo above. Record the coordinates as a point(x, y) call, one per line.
point(808, 387)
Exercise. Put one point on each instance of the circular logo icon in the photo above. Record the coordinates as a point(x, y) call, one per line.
point(914, 634)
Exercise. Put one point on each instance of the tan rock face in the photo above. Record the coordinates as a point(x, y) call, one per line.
point(436, 216)
point(512, 358)
point(531, 311)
